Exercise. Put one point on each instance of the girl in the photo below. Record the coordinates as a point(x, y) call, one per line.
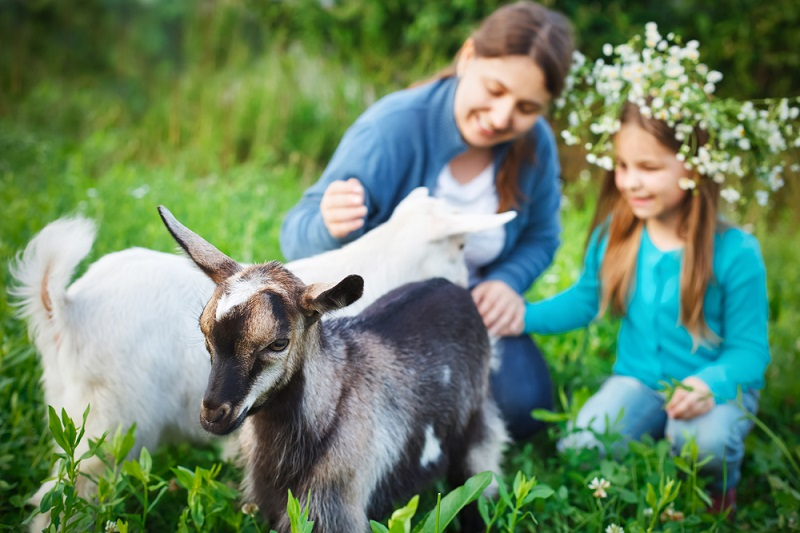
point(474, 135)
point(690, 288)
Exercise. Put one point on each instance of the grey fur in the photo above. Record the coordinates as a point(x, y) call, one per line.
point(345, 409)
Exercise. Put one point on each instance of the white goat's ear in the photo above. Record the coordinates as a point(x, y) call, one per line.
point(415, 200)
point(321, 298)
point(211, 261)
point(448, 224)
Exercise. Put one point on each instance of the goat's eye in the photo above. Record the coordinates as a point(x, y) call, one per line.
point(278, 345)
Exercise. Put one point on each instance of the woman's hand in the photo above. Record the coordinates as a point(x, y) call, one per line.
point(343, 208)
point(685, 404)
point(501, 308)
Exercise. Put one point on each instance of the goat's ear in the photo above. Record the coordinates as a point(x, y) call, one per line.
point(447, 224)
point(214, 263)
point(321, 298)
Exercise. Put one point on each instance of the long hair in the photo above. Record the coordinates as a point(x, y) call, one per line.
point(522, 29)
point(698, 223)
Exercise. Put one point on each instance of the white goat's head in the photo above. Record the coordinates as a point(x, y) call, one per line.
point(436, 231)
point(257, 327)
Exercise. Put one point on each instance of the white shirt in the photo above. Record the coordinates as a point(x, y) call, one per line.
point(479, 195)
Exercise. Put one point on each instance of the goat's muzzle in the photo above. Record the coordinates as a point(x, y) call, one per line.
point(217, 418)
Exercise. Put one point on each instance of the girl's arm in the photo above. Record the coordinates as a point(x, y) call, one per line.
point(744, 350)
point(575, 307)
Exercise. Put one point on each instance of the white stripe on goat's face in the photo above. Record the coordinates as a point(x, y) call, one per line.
point(238, 291)
point(252, 326)
point(432, 450)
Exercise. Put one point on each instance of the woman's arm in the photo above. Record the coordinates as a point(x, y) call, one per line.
point(538, 239)
point(361, 155)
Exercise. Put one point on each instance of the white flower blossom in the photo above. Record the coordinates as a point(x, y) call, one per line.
point(614, 528)
point(730, 195)
point(667, 81)
point(599, 487)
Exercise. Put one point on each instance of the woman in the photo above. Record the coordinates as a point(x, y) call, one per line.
point(475, 136)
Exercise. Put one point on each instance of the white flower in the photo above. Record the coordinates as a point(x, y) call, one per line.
point(614, 528)
point(140, 191)
point(730, 195)
point(599, 487)
point(667, 82)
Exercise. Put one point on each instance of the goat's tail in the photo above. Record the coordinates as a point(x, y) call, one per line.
point(42, 272)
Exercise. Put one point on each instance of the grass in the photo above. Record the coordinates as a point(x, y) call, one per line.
point(229, 150)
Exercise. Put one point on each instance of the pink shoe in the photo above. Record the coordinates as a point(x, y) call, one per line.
point(720, 503)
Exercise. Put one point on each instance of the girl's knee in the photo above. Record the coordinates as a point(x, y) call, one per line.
point(719, 442)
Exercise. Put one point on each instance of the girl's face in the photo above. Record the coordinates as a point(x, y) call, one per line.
point(498, 98)
point(647, 175)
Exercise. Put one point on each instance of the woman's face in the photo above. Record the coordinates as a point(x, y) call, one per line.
point(647, 175)
point(497, 98)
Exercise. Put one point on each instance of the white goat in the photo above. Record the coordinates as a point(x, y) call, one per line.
point(125, 338)
point(362, 412)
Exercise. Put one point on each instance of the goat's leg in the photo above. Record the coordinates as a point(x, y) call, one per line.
point(485, 439)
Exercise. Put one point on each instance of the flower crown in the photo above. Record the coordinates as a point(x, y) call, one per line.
point(667, 82)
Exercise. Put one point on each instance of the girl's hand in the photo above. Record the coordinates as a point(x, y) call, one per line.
point(342, 207)
point(501, 308)
point(690, 404)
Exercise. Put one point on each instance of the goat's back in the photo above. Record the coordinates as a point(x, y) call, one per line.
point(419, 375)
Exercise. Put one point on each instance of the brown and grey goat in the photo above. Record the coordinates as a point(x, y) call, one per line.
point(360, 411)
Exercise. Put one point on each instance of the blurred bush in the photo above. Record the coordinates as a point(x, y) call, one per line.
point(756, 44)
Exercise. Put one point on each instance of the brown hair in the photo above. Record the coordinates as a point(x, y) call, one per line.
point(697, 227)
point(526, 29)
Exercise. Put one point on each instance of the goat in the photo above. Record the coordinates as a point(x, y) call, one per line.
point(124, 337)
point(360, 411)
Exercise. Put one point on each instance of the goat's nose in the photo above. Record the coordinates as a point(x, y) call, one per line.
point(214, 414)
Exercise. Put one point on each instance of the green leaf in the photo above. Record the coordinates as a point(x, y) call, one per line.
point(549, 416)
point(57, 429)
point(454, 502)
point(377, 527)
point(400, 522)
point(651, 497)
point(681, 463)
point(540, 492)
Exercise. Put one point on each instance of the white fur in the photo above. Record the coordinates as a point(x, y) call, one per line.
point(125, 338)
point(432, 450)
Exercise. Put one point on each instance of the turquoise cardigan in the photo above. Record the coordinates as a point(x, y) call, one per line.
point(652, 345)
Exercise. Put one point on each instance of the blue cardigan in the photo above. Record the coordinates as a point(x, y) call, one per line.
point(652, 345)
point(404, 141)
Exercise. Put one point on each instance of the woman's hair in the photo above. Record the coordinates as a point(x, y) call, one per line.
point(697, 226)
point(523, 29)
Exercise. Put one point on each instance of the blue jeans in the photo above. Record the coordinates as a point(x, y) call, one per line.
point(521, 384)
point(633, 409)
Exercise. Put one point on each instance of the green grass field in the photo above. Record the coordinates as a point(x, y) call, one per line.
point(229, 150)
